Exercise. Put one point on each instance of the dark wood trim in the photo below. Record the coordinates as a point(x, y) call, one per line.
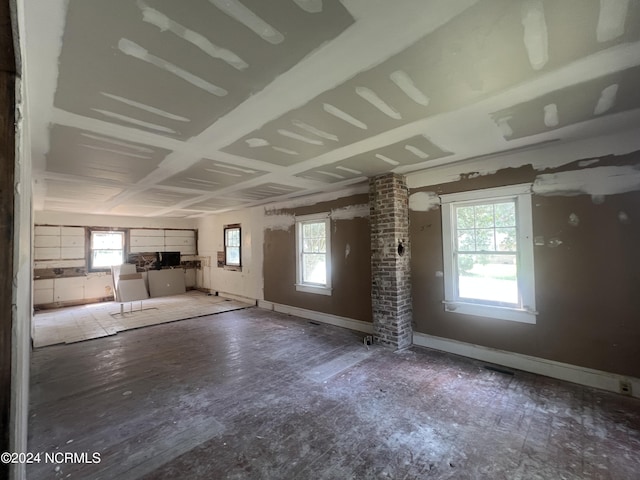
point(7, 172)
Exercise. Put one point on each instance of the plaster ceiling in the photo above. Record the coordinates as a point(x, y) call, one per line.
point(164, 108)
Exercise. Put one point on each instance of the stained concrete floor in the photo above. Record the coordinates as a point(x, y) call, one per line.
point(254, 394)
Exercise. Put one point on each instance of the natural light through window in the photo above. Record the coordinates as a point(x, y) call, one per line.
point(232, 246)
point(313, 262)
point(107, 249)
point(488, 253)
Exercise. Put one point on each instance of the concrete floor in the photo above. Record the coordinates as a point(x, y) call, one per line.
point(254, 394)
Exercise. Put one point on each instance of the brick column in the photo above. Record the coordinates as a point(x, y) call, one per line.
point(390, 254)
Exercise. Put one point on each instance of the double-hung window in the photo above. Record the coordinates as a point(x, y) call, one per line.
point(313, 246)
point(488, 253)
point(232, 246)
point(107, 249)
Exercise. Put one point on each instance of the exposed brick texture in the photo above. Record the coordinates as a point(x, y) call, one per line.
point(390, 271)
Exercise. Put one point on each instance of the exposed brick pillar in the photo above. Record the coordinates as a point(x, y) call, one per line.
point(390, 253)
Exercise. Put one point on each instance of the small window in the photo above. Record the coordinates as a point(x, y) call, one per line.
point(488, 253)
point(313, 263)
point(107, 249)
point(232, 246)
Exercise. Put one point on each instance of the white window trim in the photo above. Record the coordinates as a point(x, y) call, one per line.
point(123, 250)
point(312, 287)
point(526, 276)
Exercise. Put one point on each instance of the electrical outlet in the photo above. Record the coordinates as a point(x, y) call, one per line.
point(625, 387)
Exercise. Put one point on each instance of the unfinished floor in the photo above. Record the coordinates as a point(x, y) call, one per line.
point(254, 394)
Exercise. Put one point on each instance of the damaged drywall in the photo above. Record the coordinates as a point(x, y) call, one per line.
point(423, 201)
point(590, 181)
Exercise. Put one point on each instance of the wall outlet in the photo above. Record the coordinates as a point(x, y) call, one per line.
point(625, 387)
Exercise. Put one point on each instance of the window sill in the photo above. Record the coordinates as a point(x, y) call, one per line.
point(301, 287)
point(233, 268)
point(500, 313)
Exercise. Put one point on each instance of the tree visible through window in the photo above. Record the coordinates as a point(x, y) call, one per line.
point(314, 260)
point(107, 249)
point(232, 246)
point(488, 253)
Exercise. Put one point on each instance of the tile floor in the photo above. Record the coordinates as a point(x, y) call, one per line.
point(75, 324)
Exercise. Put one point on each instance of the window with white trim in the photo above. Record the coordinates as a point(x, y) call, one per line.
point(488, 253)
point(232, 246)
point(313, 260)
point(106, 249)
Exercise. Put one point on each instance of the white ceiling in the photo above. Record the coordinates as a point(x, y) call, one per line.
point(164, 108)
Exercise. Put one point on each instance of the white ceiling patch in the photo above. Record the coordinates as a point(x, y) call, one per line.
point(133, 49)
point(113, 150)
point(302, 138)
point(503, 125)
point(204, 182)
point(285, 150)
point(336, 112)
point(613, 14)
point(551, 115)
point(242, 14)
point(310, 6)
point(119, 143)
point(146, 108)
point(607, 99)
point(417, 152)
point(256, 142)
point(371, 97)
point(239, 169)
point(350, 170)
point(536, 39)
point(314, 130)
point(134, 121)
point(387, 159)
point(223, 173)
point(330, 174)
point(405, 83)
point(164, 23)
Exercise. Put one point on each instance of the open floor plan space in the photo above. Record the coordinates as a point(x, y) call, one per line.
point(255, 394)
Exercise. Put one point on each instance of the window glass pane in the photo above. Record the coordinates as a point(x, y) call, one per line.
point(233, 256)
point(506, 239)
point(466, 240)
point(106, 258)
point(106, 240)
point(464, 217)
point(490, 278)
point(485, 239)
point(307, 230)
point(233, 237)
point(314, 268)
point(505, 214)
point(484, 216)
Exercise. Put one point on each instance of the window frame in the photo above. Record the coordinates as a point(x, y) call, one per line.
point(525, 311)
point(90, 249)
point(301, 285)
point(232, 266)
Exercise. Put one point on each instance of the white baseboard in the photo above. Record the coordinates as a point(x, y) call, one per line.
point(562, 371)
point(344, 322)
point(239, 298)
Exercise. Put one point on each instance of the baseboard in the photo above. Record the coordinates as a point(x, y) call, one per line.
point(350, 323)
point(550, 368)
point(239, 298)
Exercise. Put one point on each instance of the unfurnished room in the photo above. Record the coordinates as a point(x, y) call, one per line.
point(320, 239)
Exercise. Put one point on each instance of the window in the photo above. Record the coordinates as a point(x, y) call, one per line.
point(107, 249)
point(313, 261)
point(232, 247)
point(488, 253)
